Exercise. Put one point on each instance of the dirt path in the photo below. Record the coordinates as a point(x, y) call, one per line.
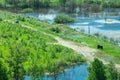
point(85, 51)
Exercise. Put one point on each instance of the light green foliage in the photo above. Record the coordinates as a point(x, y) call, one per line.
point(28, 52)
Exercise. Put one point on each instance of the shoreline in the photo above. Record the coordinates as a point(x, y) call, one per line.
point(74, 64)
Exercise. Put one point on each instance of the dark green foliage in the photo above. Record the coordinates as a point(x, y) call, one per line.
point(97, 70)
point(62, 2)
point(100, 72)
point(62, 19)
point(0, 19)
point(112, 73)
point(55, 29)
point(3, 70)
point(70, 5)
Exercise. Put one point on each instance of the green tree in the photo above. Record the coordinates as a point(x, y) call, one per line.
point(71, 4)
point(96, 70)
point(62, 2)
point(15, 60)
point(112, 72)
point(3, 70)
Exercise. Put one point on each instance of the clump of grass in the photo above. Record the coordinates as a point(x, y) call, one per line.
point(61, 18)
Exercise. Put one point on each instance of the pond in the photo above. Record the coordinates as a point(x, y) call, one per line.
point(78, 72)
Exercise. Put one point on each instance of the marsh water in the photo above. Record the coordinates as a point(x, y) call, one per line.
point(78, 72)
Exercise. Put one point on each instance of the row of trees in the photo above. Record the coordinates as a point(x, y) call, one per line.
point(71, 4)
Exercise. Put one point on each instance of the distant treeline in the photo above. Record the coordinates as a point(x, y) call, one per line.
point(36, 4)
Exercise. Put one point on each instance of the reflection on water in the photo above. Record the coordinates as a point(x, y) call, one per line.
point(78, 72)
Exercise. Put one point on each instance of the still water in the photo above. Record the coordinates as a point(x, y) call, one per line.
point(78, 72)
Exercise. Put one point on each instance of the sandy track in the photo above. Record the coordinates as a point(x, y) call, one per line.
point(85, 51)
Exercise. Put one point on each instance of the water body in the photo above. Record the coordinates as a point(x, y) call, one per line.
point(109, 27)
point(78, 72)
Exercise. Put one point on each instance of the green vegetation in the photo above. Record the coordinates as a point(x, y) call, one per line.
point(33, 50)
point(61, 18)
point(69, 34)
point(92, 41)
point(3, 70)
point(68, 5)
point(99, 71)
point(24, 51)
point(0, 19)
point(112, 73)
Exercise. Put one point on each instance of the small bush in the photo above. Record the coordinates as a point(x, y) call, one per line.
point(0, 19)
point(61, 18)
point(55, 29)
point(21, 18)
point(27, 10)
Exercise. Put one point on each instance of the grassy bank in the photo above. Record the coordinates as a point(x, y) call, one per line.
point(28, 52)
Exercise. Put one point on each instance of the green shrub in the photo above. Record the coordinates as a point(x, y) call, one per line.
point(0, 19)
point(61, 18)
point(21, 18)
point(27, 10)
point(55, 29)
